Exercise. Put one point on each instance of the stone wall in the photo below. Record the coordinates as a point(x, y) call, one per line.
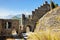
point(36, 15)
point(50, 21)
point(14, 24)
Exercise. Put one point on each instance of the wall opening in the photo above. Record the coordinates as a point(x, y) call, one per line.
point(28, 28)
point(8, 25)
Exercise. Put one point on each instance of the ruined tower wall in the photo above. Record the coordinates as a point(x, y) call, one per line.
point(38, 13)
point(0, 26)
point(14, 24)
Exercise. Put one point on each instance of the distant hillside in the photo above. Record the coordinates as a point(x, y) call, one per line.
point(17, 17)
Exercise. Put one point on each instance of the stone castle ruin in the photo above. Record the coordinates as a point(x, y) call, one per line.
point(11, 27)
point(7, 25)
point(31, 21)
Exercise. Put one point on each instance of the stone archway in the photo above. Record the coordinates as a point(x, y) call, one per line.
point(28, 28)
point(14, 32)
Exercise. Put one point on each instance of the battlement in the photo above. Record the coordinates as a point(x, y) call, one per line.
point(36, 15)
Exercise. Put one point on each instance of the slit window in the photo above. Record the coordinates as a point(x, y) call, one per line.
point(8, 25)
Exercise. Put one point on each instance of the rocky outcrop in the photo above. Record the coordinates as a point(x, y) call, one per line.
point(50, 20)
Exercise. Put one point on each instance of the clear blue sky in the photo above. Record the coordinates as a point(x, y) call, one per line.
point(12, 7)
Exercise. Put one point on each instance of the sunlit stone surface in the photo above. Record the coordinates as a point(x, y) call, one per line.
point(48, 27)
point(14, 32)
point(13, 39)
point(50, 20)
point(9, 39)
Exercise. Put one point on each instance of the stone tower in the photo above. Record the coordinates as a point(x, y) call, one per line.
point(36, 15)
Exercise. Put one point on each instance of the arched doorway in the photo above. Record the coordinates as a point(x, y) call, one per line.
point(28, 28)
point(14, 32)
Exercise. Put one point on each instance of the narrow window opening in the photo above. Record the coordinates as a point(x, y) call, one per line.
point(8, 25)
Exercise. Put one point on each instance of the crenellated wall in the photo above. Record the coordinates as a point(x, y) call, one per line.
point(36, 15)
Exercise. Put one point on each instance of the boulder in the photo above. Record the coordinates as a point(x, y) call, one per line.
point(50, 21)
